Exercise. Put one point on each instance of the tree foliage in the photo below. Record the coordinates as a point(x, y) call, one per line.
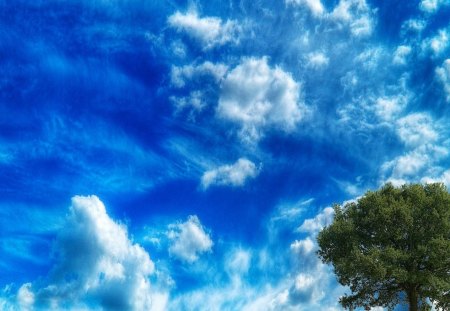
point(392, 246)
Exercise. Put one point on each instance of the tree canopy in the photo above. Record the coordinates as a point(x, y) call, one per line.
point(392, 246)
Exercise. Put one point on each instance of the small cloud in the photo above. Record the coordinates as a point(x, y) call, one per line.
point(416, 129)
point(356, 14)
point(238, 263)
point(303, 247)
point(431, 6)
point(209, 31)
point(401, 55)
point(181, 75)
point(318, 60)
point(388, 108)
point(25, 297)
point(257, 98)
point(315, 6)
point(443, 74)
point(188, 240)
point(194, 102)
point(230, 175)
point(314, 225)
point(437, 44)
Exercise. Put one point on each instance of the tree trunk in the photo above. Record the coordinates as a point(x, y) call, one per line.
point(413, 299)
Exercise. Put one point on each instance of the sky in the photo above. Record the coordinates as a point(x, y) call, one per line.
point(184, 155)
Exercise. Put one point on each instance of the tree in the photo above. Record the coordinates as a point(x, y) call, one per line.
point(392, 246)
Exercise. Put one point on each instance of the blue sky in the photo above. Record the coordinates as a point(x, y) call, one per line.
point(183, 155)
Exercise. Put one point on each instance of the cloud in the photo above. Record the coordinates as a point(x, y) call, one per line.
point(209, 31)
point(257, 98)
point(431, 6)
point(195, 77)
point(437, 44)
point(314, 225)
point(188, 240)
point(416, 128)
point(277, 276)
point(25, 297)
point(315, 6)
point(356, 14)
point(389, 108)
point(443, 74)
point(318, 60)
point(230, 175)
point(96, 265)
point(401, 55)
point(425, 147)
point(181, 75)
point(443, 178)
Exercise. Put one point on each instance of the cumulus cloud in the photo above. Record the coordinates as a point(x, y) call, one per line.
point(298, 284)
point(230, 175)
point(356, 14)
point(318, 60)
point(188, 240)
point(209, 31)
point(25, 297)
point(257, 97)
point(310, 275)
point(97, 265)
point(180, 75)
point(388, 108)
point(425, 148)
point(438, 43)
point(401, 55)
point(314, 225)
point(416, 128)
point(431, 6)
point(315, 6)
point(443, 178)
point(443, 74)
point(195, 102)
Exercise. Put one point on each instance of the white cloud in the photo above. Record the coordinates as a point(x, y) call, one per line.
point(416, 129)
point(257, 97)
point(181, 75)
point(230, 175)
point(238, 264)
point(401, 55)
point(314, 225)
point(425, 149)
point(25, 297)
point(437, 44)
point(315, 6)
point(195, 102)
point(443, 178)
point(188, 240)
point(431, 6)
point(415, 25)
point(300, 284)
point(388, 108)
point(97, 265)
point(410, 164)
point(209, 31)
point(356, 14)
point(303, 247)
point(443, 74)
point(318, 60)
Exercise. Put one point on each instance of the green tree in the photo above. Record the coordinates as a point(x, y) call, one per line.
point(392, 246)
